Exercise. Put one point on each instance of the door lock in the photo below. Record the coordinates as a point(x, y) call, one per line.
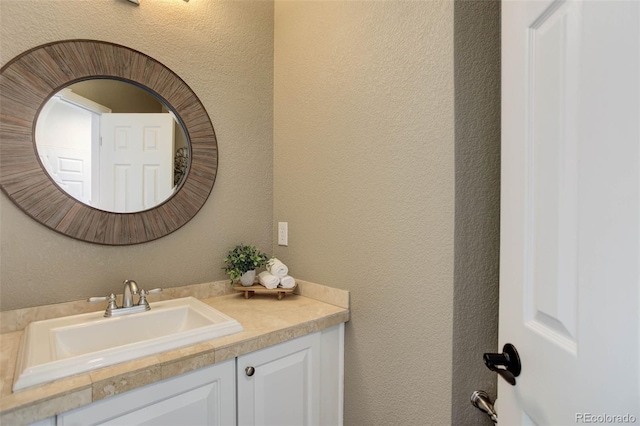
point(507, 364)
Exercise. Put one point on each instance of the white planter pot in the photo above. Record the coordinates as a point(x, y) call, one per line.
point(248, 277)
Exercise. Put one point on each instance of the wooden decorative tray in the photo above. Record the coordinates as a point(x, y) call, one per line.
point(259, 288)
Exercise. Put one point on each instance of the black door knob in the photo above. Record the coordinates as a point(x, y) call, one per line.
point(507, 364)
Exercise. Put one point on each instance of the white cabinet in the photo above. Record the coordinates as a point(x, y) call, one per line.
point(203, 397)
point(280, 385)
point(295, 383)
point(299, 382)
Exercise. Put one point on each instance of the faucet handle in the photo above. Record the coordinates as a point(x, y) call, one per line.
point(110, 298)
point(112, 303)
point(143, 296)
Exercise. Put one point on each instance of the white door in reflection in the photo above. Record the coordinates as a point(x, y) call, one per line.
point(136, 161)
point(67, 132)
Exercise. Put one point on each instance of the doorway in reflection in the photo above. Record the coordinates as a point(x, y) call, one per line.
point(111, 145)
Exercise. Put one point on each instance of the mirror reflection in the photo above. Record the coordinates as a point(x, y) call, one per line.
point(112, 145)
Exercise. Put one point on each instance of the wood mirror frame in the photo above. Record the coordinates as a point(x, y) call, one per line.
point(31, 78)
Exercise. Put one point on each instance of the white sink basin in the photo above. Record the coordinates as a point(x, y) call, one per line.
point(61, 347)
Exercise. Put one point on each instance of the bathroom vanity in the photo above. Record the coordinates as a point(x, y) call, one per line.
point(282, 364)
point(285, 367)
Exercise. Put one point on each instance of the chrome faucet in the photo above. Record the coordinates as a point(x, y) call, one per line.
point(128, 307)
point(130, 288)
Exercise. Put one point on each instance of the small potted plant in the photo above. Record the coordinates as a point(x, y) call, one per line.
point(242, 262)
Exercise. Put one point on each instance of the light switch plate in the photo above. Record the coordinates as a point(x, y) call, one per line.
point(283, 233)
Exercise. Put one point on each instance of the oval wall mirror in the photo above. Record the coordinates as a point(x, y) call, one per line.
point(49, 167)
point(112, 145)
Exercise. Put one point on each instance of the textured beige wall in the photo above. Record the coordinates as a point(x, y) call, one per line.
point(224, 51)
point(364, 174)
point(477, 218)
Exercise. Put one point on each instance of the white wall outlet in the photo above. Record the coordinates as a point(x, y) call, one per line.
point(283, 233)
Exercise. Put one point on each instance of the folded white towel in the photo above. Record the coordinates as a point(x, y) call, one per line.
point(268, 280)
point(287, 282)
point(277, 268)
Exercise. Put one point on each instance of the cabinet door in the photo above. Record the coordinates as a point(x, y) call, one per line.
point(284, 388)
point(203, 397)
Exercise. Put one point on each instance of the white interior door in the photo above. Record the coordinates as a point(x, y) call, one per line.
point(136, 161)
point(570, 231)
point(64, 132)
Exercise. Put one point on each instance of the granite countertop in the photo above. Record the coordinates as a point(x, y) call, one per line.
point(266, 322)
